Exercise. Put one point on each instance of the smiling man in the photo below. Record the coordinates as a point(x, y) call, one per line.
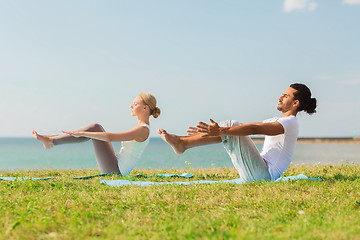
point(280, 137)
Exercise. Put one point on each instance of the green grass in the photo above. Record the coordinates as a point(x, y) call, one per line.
point(85, 209)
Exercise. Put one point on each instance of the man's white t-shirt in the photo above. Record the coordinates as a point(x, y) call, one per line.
point(278, 150)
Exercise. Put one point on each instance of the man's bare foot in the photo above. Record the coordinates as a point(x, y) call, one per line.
point(173, 140)
point(44, 139)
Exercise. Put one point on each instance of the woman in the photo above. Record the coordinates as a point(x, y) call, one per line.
point(133, 141)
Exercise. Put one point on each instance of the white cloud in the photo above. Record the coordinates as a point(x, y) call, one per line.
point(293, 5)
point(352, 82)
point(351, 2)
point(312, 6)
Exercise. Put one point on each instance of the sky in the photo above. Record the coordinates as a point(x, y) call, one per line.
point(66, 64)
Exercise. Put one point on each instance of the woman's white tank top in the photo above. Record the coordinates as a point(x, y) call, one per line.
point(130, 153)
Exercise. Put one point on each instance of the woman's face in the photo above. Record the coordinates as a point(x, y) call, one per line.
point(137, 107)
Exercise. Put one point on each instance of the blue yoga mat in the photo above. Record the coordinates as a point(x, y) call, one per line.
point(24, 178)
point(119, 183)
point(184, 175)
point(47, 178)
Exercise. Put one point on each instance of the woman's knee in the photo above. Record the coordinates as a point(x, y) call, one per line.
point(95, 127)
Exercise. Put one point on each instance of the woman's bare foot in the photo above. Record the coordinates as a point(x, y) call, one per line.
point(173, 140)
point(44, 139)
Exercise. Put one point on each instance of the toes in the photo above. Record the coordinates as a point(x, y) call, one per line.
point(161, 131)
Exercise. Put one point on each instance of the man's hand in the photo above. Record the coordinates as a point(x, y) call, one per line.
point(192, 131)
point(209, 130)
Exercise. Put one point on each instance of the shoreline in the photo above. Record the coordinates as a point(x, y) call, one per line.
point(301, 140)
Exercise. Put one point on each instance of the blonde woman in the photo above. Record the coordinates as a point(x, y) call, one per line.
point(134, 141)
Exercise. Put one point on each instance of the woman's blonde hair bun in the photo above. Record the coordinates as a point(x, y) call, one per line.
point(156, 112)
point(150, 101)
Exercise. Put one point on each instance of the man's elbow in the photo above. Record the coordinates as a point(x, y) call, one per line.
point(254, 130)
point(259, 130)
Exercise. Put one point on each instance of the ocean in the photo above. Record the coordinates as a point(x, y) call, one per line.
point(27, 153)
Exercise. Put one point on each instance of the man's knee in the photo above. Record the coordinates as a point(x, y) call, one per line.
point(229, 123)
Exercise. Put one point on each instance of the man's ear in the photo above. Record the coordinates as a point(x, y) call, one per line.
point(296, 103)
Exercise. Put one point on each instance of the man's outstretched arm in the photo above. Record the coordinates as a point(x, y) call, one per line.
point(273, 128)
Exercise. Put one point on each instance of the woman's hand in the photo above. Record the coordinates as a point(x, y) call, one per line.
point(74, 133)
point(209, 130)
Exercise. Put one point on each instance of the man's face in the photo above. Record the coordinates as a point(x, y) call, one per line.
point(287, 101)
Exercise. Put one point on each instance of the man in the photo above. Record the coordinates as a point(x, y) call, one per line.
point(280, 137)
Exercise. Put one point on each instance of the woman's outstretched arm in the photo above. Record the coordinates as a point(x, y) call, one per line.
point(138, 133)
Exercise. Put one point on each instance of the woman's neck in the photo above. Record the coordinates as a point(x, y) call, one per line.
point(143, 120)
